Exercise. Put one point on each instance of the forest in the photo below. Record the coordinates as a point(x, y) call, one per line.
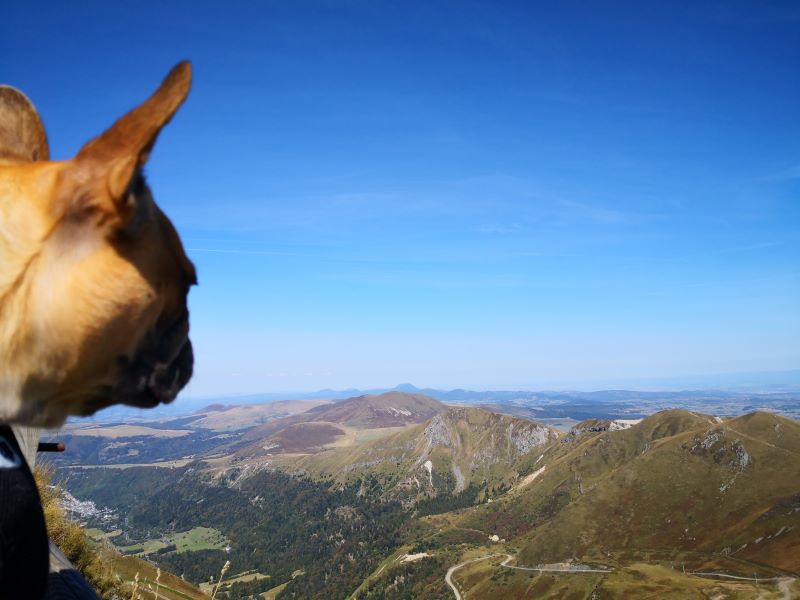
point(290, 528)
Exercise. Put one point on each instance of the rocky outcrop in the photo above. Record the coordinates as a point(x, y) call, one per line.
point(527, 436)
point(436, 432)
point(712, 443)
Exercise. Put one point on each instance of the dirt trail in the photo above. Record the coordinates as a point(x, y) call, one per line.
point(528, 479)
point(785, 586)
point(784, 583)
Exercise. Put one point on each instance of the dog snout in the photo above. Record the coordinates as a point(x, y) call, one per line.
point(168, 378)
point(173, 339)
point(161, 368)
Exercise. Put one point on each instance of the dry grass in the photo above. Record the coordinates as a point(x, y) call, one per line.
point(165, 464)
point(93, 563)
point(124, 431)
point(224, 570)
point(170, 587)
point(242, 417)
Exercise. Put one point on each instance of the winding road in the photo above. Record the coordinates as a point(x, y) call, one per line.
point(449, 577)
point(509, 558)
point(784, 583)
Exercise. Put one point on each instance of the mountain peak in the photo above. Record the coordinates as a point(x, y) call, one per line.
point(405, 387)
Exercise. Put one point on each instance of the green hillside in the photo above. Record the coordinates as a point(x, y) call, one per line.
point(681, 505)
point(677, 482)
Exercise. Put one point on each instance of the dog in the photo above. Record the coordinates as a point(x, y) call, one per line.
point(93, 276)
point(93, 289)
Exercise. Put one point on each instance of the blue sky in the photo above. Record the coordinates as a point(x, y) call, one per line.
point(477, 194)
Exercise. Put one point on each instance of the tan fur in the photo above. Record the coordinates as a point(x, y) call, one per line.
point(93, 276)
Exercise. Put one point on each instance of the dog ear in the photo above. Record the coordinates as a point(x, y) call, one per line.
point(22, 135)
point(122, 150)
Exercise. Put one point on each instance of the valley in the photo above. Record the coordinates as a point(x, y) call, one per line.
point(400, 495)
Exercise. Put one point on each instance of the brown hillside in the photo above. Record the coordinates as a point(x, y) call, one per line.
point(392, 409)
point(302, 437)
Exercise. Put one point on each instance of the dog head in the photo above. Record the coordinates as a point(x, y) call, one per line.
point(93, 276)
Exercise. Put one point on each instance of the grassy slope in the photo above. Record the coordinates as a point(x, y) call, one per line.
point(626, 499)
point(197, 538)
point(488, 579)
point(170, 586)
point(604, 495)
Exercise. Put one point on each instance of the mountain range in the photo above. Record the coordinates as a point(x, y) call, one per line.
point(777, 391)
point(401, 495)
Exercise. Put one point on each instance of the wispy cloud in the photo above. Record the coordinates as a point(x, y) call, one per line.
point(787, 174)
point(501, 229)
point(572, 210)
point(751, 247)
